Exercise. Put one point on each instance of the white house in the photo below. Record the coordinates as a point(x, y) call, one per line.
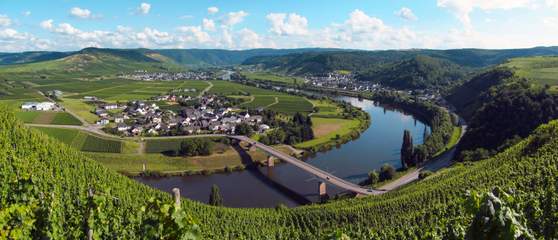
point(264, 127)
point(42, 106)
point(103, 121)
point(118, 119)
point(29, 105)
point(110, 106)
point(122, 127)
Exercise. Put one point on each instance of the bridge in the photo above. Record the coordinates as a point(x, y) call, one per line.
point(323, 175)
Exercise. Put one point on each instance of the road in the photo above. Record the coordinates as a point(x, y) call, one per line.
point(323, 175)
point(442, 161)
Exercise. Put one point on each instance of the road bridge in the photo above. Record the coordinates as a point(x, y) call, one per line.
point(321, 174)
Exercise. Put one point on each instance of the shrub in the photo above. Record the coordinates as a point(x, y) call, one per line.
point(387, 172)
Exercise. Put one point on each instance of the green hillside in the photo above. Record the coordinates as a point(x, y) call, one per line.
point(91, 62)
point(417, 72)
point(44, 192)
point(506, 103)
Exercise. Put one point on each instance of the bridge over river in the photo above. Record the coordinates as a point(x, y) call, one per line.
point(323, 175)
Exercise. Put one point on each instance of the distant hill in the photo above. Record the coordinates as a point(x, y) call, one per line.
point(357, 60)
point(220, 57)
point(186, 57)
point(30, 57)
point(417, 72)
point(95, 62)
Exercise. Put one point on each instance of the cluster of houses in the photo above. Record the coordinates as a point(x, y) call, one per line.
point(39, 106)
point(169, 76)
point(208, 115)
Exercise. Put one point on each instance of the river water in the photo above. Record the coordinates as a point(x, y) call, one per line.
point(290, 186)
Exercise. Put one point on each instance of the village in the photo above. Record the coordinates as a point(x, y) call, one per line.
point(143, 75)
point(208, 114)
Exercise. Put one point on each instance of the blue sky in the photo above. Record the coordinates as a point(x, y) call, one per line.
point(27, 25)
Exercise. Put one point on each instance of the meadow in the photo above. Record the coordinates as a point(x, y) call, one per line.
point(263, 98)
point(541, 70)
point(271, 77)
point(83, 141)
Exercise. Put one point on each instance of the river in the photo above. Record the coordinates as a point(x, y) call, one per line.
point(290, 186)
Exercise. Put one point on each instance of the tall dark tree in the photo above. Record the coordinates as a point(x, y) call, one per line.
point(215, 196)
point(406, 149)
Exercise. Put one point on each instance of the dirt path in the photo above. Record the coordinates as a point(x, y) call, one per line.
point(276, 102)
point(205, 89)
point(141, 149)
point(83, 122)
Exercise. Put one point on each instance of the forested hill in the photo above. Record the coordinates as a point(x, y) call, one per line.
point(361, 60)
point(220, 57)
point(505, 104)
point(418, 72)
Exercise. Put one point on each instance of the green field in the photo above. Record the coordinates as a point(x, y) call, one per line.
point(97, 144)
point(84, 141)
point(80, 108)
point(162, 145)
point(327, 130)
point(263, 98)
point(266, 76)
point(541, 70)
point(54, 118)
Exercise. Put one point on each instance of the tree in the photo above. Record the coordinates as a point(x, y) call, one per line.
point(373, 177)
point(243, 129)
point(215, 196)
point(420, 154)
point(387, 172)
point(406, 149)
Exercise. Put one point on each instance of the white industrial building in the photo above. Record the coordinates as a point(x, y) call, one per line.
point(42, 106)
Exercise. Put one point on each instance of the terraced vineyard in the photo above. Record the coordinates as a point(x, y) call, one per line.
point(432, 207)
point(264, 98)
point(84, 141)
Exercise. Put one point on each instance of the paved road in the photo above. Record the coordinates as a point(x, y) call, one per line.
point(325, 176)
point(442, 161)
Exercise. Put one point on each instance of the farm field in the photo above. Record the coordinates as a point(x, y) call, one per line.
point(327, 129)
point(325, 108)
point(541, 70)
point(83, 141)
point(54, 118)
point(263, 98)
point(80, 108)
point(265, 76)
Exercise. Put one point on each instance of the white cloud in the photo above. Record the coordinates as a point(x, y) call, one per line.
point(552, 4)
point(11, 40)
point(462, 8)
point(233, 18)
point(47, 24)
point(144, 8)
point(5, 21)
point(66, 28)
point(26, 13)
point(212, 10)
point(208, 24)
point(291, 24)
point(194, 34)
point(406, 13)
point(249, 39)
point(80, 13)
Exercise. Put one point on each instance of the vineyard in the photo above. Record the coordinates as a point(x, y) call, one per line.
point(51, 191)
